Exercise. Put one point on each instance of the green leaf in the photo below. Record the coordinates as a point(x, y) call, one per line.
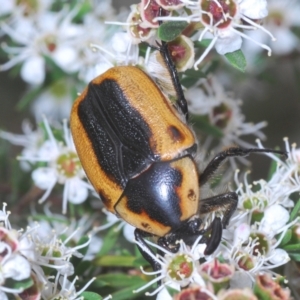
point(295, 256)
point(172, 291)
point(82, 266)
point(22, 284)
point(54, 218)
point(191, 76)
point(109, 240)
point(82, 241)
point(77, 260)
point(85, 8)
point(127, 293)
point(118, 280)
point(55, 72)
point(272, 169)
point(202, 123)
point(214, 65)
point(114, 261)
point(295, 211)
point(140, 261)
point(292, 247)
point(170, 30)
point(203, 43)
point(91, 296)
point(28, 98)
point(237, 60)
point(287, 237)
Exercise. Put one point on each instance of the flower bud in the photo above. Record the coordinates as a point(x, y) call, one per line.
point(266, 288)
point(193, 292)
point(237, 294)
point(218, 274)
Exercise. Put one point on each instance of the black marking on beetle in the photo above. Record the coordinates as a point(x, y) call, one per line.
point(191, 195)
point(119, 135)
point(105, 200)
point(154, 193)
point(175, 134)
point(145, 225)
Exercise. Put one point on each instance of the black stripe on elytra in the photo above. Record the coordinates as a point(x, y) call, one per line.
point(154, 193)
point(118, 133)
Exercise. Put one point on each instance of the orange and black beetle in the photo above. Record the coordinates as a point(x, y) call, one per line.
point(138, 154)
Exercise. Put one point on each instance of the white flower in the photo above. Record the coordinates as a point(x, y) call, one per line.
point(62, 288)
point(283, 15)
point(13, 265)
point(252, 239)
point(91, 63)
point(76, 229)
point(48, 250)
point(7, 7)
point(4, 216)
point(62, 166)
point(55, 101)
point(46, 34)
point(28, 254)
point(128, 230)
point(287, 173)
point(177, 269)
point(224, 22)
point(119, 50)
point(223, 112)
point(139, 28)
point(274, 218)
point(31, 140)
point(33, 70)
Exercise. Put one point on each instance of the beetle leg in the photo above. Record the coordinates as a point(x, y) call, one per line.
point(211, 236)
point(165, 53)
point(231, 152)
point(225, 202)
point(145, 250)
point(181, 101)
point(215, 237)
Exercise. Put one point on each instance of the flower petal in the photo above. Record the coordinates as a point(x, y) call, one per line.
point(44, 177)
point(77, 191)
point(275, 217)
point(254, 9)
point(228, 41)
point(17, 268)
point(65, 57)
point(33, 70)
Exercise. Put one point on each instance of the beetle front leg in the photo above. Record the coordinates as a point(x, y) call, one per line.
point(214, 240)
point(225, 202)
point(145, 250)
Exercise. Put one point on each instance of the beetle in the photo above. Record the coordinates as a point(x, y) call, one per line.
point(138, 152)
